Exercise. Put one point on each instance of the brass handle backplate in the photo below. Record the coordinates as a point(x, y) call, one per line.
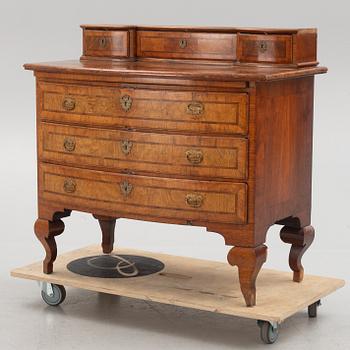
point(194, 156)
point(195, 108)
point(194, 200)
point(126, 146)
point(262, 46)
point(102, 42)
point(126, 102)
point(182, 43)
point(69, 186)
point(68, 103)
point(126, 188)
point(69, 144)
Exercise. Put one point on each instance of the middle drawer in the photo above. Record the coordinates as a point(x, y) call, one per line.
point(131, 151)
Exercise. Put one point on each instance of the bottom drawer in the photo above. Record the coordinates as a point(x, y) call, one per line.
point(205, 201)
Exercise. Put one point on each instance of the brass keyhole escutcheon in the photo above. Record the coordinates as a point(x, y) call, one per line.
point(182, 43)
point(262, 46)
point(194, 200)
point(102, 42)
point(69, 144)
point(69, 186)
point(126, 146)
point(68, 103)
point(126, 102)
point(195, 108)
point(125, 188)
point(194, 156)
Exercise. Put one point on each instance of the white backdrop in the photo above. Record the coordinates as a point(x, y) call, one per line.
point(34, 31)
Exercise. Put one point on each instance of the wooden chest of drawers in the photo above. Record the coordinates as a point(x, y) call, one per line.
point(197, 126)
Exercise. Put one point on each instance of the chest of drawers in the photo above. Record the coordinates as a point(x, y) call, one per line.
point(196, 126)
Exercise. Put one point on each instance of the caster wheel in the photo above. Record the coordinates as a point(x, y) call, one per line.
point(268, 332)
point(312, 309)
point(57, 297)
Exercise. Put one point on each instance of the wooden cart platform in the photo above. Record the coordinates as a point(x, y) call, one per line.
point(200, 284)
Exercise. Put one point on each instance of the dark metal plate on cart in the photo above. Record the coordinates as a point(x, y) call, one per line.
point(115, 266)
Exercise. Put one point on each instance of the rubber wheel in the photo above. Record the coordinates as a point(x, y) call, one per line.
point(268, 333)
point(59, 294)
point(312, 309)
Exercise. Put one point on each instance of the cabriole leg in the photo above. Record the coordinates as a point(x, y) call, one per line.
point(46, 231)
point(300, 239)
point(249, 262)
point(107, 225)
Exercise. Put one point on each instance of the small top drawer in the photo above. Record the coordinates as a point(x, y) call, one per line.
point(213, 46)
point(264, 48)
point(103, 43)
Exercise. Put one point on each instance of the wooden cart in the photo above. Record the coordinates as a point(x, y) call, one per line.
point(199, 284)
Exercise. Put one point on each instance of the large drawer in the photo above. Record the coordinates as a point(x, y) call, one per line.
point(172, 110)
point(127, 151)
point(152, 196)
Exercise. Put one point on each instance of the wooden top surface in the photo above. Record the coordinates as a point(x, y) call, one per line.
point(222, 72)
point(198, 29)
point(200, 284)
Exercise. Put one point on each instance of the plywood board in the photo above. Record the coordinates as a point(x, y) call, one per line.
point(200, 284)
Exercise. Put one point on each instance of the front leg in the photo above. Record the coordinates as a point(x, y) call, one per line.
point(300, 239)
point(249, 262)
point(107, 225)
point(46, 231)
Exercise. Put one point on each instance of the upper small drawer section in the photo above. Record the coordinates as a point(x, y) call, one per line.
point(183, 45)
point(265, 48)
point(292, 47)
point(103, 43)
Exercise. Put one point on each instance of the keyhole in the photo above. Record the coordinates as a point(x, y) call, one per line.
point(262, 46)
point(103, 42)
point(182, 43)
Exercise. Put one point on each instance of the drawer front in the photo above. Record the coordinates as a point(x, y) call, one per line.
point(164, 197)
point(265, 48)
point(157, 44)
point(145, 152)
point(106, 43)
point(172, 110)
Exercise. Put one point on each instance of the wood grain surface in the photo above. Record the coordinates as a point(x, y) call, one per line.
point(139, 152)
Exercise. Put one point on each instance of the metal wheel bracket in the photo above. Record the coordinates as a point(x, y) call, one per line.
point(274, 325)
point(46, 287)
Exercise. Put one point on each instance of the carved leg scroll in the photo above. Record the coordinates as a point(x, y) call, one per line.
point(300, 239)
point(107, 225)
point(249, 262)
point(46, 231)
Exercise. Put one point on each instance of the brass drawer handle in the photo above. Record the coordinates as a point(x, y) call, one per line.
point(69, 186)
point(126, 102)
point(194, 200)
point(182, 43)
point(195, 108)
point(68, 103)
point(69, 144)
point(126, 146)
point(102, 42)
point(126, 188)
point(194, 156)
